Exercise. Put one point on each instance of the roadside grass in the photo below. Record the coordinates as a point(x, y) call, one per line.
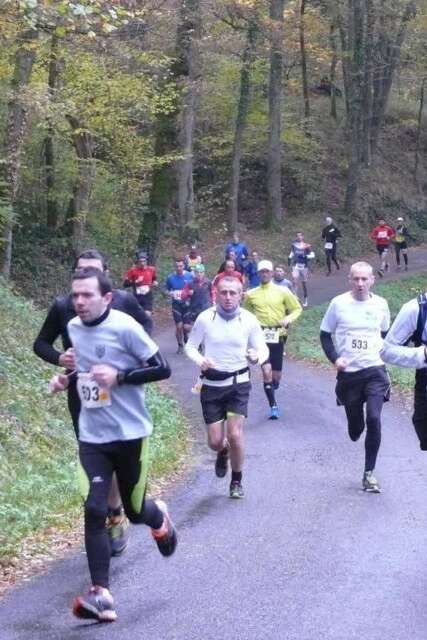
point(304, 344)
point(38, 450)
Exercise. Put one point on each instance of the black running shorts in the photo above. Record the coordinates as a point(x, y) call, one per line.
point(181, 313)
point(382, 249)
point(146, 301)
point(276, 350)
point(217, 402)
point(354, 387)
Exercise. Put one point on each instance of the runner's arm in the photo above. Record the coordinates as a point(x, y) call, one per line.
point(293, 307)
point(157, 369)
point(394, 350)
point(257, 341)
point(328, 346)
point(195, 339)
point(49, 332)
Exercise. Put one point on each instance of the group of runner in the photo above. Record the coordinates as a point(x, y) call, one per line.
point(239, 319)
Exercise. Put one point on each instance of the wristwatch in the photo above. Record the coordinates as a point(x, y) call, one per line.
point(121, 377)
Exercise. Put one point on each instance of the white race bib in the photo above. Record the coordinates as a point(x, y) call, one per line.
point(177, 294)
point(92, 396)
point(271, 335)
point(329, 245)
point(300, 265)
point(382, 234)
point(356, 343)
point(142, 290)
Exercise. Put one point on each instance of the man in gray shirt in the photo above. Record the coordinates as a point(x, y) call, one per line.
point(114, 358)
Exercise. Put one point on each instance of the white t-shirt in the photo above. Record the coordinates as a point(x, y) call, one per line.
point(357, 325)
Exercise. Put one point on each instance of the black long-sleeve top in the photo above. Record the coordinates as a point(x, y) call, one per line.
point(62, 311)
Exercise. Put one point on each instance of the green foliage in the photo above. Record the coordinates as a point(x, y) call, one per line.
point(38, 450)
point(304, 342)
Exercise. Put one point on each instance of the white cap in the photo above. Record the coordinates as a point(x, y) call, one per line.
point(400, 219)
point(265, 264)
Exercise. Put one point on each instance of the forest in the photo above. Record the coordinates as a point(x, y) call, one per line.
point(158, 123)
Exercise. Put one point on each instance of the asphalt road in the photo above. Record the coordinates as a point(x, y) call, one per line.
point(306, 555)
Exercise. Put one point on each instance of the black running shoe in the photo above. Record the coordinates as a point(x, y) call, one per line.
point(221, 464)
point(166, 539)
point(236, 490)
point(98, 604)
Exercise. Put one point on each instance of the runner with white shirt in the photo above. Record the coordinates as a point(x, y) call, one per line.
point(410, 325)
point(359, 320)
point(231, 338)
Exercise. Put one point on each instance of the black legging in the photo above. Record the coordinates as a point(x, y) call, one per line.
point(356, 426)
point(99, 461)
point(331, 254)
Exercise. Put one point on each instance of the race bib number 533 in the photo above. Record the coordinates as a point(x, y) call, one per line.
point(92, 396)
point(360, 344)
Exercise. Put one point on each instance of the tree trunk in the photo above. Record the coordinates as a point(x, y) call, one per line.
point(390, 46)
point(419, 126)
point(274, 214)
point(79, 205)
point(334, 62)
point(367, 95)
point(187, 69)
point(17, 115)
point(304, 61)
point(241, 120)
point(48, 146)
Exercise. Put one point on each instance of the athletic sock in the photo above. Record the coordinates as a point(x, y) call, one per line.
point(304, 289)
point(405, 257)
point(276, 384)
point(269, 392)
point(236, 476)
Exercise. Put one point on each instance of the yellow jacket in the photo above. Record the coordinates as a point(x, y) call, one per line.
point(271, 304)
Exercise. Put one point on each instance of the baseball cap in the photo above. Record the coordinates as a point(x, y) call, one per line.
point(400, 219)
point(200, 268)
point(265, 264)
point(141, 255)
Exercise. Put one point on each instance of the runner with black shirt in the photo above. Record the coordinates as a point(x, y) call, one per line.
point(330, 235)
point(55, 326)
point(400, 243)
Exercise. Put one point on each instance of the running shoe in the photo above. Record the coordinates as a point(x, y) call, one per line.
point(274, 413)
point(370, 483)
point(221, 464)
point(118, 533)
point(236, 490)
point(165, 537)
point(305, 303)
point(180, 349)
point(98, 604)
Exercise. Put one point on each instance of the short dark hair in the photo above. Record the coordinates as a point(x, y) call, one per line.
point(91, 254)
point(179, 260)
point(104, 281)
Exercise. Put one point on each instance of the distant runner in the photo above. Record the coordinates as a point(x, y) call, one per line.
point(275, 308)
point(400, 243)
point(359, 319)
point(241, 250)
point(251, 271)
point(175, 283)
point(231, 338)
point(330, 235)
point(142, 278)
point(114, 358)
point(299, 258)
point(279, 278)
point(198, 292)
point(382, 234)
point(192, 259)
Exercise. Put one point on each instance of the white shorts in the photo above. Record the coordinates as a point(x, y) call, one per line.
point(300, 274)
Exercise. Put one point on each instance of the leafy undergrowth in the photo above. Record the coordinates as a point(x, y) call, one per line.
point(37, 444)
point(304, 342)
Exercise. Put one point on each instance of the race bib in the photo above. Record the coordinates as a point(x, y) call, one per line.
point(142, 290)
point(382, 234)
point(271, 335)
point(300, 265)
point(92, 396)
point(356, 343)
point(177, 294)
point(329, 245)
